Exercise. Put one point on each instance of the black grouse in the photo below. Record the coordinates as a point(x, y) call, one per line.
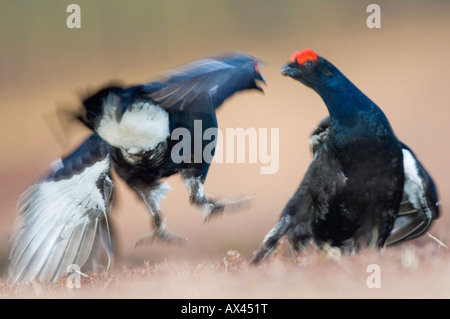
point(364, 187)
point(146, 133)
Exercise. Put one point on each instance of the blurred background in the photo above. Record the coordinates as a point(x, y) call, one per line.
point(403, 67)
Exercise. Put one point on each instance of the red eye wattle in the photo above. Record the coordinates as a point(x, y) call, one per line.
point(256, 67)
point(305, 55)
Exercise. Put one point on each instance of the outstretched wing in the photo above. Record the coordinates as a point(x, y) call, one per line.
point(136, 118)
point(210, 80)
point(140, 118)
point(419, 206)
point(62, 220)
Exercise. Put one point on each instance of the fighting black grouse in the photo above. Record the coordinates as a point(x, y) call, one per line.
point(364, 187)
point(138, 131)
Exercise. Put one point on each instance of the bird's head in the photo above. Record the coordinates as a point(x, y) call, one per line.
point(312, 70)
point(257, 76)
point(247, 70)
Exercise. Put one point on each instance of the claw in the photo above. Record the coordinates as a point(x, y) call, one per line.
point(213, 209)
point(239, 203)
point(160, 235)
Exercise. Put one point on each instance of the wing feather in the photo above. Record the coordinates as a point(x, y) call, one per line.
point(219, 76)
point(58, 218)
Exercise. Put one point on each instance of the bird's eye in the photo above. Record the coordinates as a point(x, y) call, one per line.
point(308, 63)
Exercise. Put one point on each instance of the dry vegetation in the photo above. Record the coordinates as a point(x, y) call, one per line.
point(403, 67)
point(407, 271)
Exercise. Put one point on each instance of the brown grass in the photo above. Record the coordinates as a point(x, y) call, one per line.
point(403, 67)
point(406, 271)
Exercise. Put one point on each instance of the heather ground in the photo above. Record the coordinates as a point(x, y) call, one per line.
point(405, 272)
point(403, 67)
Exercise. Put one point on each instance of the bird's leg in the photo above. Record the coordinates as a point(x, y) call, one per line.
point(366, 237)
point(152, 198)
point(198, 197)
point(210, 206)
point(272, 239)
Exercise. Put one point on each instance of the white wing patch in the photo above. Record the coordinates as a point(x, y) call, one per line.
point(142, 127)
point(414, 188)
point(57, 225)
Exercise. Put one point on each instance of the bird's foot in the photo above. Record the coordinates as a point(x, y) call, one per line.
point(161, 235)
point(213, 209)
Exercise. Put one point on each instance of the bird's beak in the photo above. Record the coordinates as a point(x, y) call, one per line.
point(290, 70)
point(285, 70)
point(259, 79)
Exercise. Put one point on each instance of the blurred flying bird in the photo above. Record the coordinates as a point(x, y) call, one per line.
point(63, 219)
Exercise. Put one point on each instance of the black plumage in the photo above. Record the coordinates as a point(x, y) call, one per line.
point(364, 187)
point(419, 205)
point(62, 220)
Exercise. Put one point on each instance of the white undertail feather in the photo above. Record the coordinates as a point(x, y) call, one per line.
point(414, 188)
point(59, 223)
point(142, 126)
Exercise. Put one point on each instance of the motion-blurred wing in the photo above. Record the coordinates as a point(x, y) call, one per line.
point(214, 78)
point(62, 220)
point(137, 119)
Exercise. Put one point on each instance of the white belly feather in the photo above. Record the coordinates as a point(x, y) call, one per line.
point(141, 128)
